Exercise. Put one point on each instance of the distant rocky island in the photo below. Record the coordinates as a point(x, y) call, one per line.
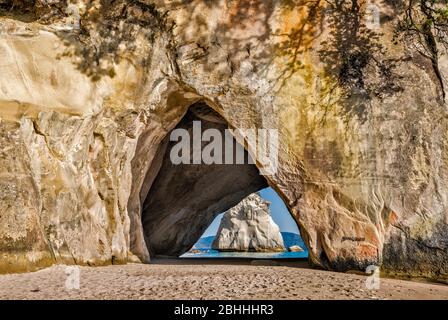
point(248, 226)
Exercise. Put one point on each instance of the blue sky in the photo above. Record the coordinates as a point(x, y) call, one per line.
point(279, 213)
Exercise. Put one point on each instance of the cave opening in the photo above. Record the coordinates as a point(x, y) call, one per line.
point(274, 235)
point(195, 184)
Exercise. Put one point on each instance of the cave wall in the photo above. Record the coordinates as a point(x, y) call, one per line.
point(361, 119)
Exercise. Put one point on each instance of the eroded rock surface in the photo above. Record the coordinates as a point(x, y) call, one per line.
point(360, 113)
point(248, 226)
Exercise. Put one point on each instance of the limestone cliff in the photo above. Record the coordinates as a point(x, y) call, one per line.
point(89, 92)
point(249, 227)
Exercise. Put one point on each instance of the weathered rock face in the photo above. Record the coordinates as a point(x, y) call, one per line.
point(360, 114)
point(248, 226)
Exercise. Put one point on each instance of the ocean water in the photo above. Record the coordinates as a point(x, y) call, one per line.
point(203, 249)
point(210, 253)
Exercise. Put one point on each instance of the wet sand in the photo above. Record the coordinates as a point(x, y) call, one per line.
point(209, 279)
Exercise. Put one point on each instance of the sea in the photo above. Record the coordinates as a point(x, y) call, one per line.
point(202, 249)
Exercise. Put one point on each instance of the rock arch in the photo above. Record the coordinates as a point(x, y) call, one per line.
point(171, 213)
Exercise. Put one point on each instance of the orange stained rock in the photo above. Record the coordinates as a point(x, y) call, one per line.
point(366, 251)
point(297, 26)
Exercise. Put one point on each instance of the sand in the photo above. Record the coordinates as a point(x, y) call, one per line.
point(206, 279)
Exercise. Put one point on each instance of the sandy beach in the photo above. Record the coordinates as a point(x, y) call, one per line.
point(209, 279)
